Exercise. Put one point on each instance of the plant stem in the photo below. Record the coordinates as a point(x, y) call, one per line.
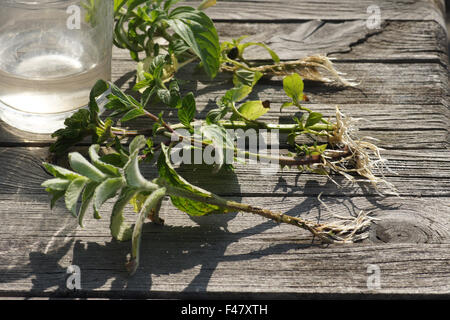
point(213, 199)
point(282, 128)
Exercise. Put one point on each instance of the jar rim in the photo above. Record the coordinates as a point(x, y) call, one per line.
point(33, 4)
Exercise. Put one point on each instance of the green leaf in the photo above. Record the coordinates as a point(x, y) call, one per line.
point(60, 172)
point(220, 138)
point(300, 122)
point(163, 95)
point(237, 94)
point(200, 34)
point(77, 127)
point(72, 194)
point(56, 184)
point(149, 204)
point(272, 53)
point(169, 3)
point(119, 4)
point(82, 166)
point(98, 89)
point(246, 77)
point(251, 110)
point(134, 177)
point(187, 111)
point(122, 97)
point(215, 115)
point(104, 133)
point(114, 159)
point(175, 98)
point(137, 144)
point(293, 86)
point(106, 190)
point(171, 177)
point(120, 230)
point(56, 195)
point(133, 114)
point(313, 118)
point(86, 198)
point(138, 200)
point(102, 166)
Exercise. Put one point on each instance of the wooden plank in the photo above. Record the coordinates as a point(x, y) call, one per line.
point(379, 83)
point(349, 40)
point(418, 173)
point(402, 38)
point(384, 85)
point(298, 10)
point(405, 99)
point(414, 40)
point(227, 254)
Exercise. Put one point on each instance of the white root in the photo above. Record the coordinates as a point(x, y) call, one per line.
point(349, 229)
point(364, 158)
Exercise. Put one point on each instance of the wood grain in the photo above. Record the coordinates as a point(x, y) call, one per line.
point(391, 66)
point(219, 256)
point(403, 96)
point(294, 10)
point(418, 173)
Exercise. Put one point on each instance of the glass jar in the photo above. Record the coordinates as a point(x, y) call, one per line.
point(51, 54)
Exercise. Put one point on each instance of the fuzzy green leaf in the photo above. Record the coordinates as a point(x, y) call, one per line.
point(106, 190)
point(137, 144)
point(72, 194)
point(293, 86)
point(60, 172)
point(56, 184)
point(102, 166)
point(171, 177)
point(85, 168)
point(56, 195)
point(251, 110)
point(149, 204)
point(120, 230)
point(86, 198)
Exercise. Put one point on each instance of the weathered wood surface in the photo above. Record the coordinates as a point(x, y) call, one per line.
point(293, 10)
point(404, 97)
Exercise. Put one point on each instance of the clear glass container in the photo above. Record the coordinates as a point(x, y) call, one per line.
point(51, 54)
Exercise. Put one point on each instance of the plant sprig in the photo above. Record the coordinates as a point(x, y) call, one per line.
point(162, 39)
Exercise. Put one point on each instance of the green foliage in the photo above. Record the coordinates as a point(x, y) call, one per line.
point(293, 86)
point(114, 172)
point(187, 111)
point(171, 178)
point(237, 45)
point(143, 21)
point(313, 118)
point(251, 110)
point(198, 32)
